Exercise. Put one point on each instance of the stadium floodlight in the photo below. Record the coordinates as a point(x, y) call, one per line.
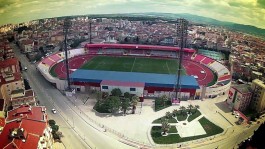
point(90, 33)
point(182, 27)
point(66, 26)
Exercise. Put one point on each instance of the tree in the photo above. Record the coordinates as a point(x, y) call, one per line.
point(55, 128)
point(51, 122)
point(168, 115)
point(105, 95)
point(165, 126)
point(99, 95)
point(116, 92)
point(125, 105)
point(135, 100)
point(127, 95)
point(114, 103)
point(164, 98)
point(196, 108)
point(190, 107)
point(175, 112)
point(182, 108)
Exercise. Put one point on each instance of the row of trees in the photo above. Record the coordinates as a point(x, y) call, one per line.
point(55, 130)
point(112, 103)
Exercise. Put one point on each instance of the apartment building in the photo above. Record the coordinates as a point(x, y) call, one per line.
point(258, 98)
point(239, 97)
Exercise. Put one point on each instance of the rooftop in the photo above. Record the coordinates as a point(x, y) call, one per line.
point(8, 62)
point(24, 131)
point(243, 88)
point(150, 79)
point(36, 113)
point(17, 77)
point(259, 83)
point(28, 93)
point(2, 122)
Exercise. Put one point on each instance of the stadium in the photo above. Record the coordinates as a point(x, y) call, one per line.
point(143, 70)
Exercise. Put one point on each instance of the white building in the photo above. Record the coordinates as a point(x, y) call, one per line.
point(135, 88)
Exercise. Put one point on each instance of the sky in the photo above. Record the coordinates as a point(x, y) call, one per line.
point(250, 12)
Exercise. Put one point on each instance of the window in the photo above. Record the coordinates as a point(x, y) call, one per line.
point(105, 87)
point(132, 89)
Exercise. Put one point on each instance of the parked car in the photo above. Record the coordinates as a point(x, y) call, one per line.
point(54, 111)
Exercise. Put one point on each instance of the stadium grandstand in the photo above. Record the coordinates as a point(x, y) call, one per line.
point(209, 77)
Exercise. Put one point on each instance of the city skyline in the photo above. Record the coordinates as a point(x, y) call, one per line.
point(249, 12)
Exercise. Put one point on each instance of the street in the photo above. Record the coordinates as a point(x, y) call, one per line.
point(76, 131)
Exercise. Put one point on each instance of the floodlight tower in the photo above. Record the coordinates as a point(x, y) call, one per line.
point(90, 33)
point(182, 27)
point(66, 26)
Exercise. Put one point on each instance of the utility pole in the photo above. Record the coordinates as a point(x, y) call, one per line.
point(182, 27)
point(67, 25)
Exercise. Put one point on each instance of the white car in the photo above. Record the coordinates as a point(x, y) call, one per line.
point(237, 115)
point(54, 111)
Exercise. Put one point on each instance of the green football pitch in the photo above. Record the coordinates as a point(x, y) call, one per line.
point(133, 64)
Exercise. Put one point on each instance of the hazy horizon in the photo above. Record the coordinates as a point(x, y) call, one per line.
point(248, 12)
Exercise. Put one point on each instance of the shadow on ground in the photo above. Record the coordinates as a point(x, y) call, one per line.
point(223, 106)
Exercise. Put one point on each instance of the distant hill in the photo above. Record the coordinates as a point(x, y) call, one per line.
point(194, 18)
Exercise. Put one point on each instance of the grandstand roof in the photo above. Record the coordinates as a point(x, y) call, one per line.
point(137, 46)
point(150, 79)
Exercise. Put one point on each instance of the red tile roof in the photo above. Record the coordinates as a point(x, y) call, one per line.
point(8, 62)
point(2, 122)
point(38, 128)
point(32, 134)
point(32, 124)
point(24, 112)
point(31, 142)
point(5, 133)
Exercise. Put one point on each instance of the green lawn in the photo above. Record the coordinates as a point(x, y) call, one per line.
point(209, 127)
point(171, 120)
point(194, 115)
point(52, 71)
point(173, 129)
point(132, 64)
point(182, 116)
point(214, 79)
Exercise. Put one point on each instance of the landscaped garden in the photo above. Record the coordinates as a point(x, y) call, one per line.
point(167, 133)
point(182, 114)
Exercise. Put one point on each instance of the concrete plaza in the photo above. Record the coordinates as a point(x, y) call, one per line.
point(137, 126)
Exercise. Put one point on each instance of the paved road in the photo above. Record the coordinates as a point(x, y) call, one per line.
point(78, 133)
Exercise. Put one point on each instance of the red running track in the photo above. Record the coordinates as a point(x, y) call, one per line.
point(192, 68)
point(74, 63)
